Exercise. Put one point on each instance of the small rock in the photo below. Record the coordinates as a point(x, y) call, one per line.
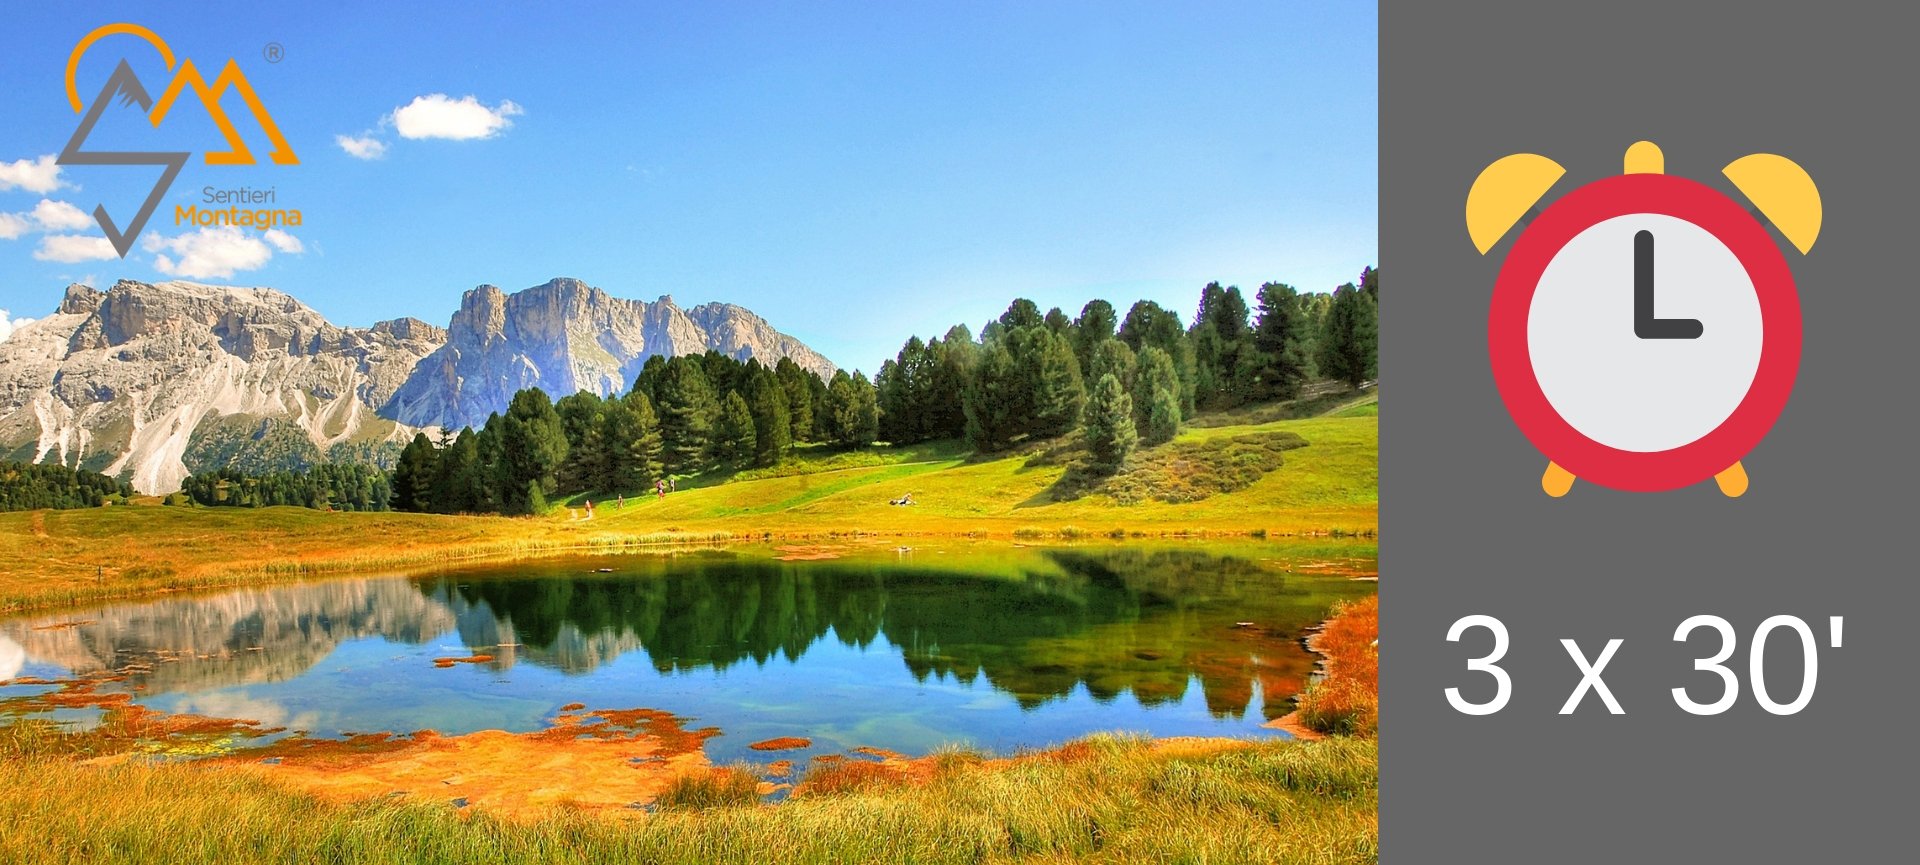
point(460, 802)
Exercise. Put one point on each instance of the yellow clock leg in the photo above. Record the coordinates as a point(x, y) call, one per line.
point(1732, 481)
point(1556, 481)
point(1644, 157)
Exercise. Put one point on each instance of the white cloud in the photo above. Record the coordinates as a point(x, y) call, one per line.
point(219, 252)
point(70, 248)
point(49, 216)
point(438, 115)
point(60, 216)
point(362, 146)
point(9, 325)
point(284, 242)
point(33, 175)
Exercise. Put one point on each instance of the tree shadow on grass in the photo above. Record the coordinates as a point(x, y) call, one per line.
point(1177, 472)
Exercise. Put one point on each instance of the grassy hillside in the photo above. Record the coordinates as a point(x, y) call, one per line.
point(1331, 484)
point(1328, 485)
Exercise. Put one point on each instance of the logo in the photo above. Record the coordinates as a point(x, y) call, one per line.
point(124, 85)
point(1645, 329)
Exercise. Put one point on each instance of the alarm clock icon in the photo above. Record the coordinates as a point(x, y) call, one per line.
point(1644, 330)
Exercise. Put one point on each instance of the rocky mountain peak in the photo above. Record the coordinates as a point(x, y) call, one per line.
point(153, 381)
point(81, 300)
point(410, 329)
point(565, 336)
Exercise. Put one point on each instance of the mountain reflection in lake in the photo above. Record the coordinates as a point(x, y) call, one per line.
point(998, 647)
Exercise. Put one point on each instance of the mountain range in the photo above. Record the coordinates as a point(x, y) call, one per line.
point(155, 381)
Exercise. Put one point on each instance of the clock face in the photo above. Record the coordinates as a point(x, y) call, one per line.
point(1645, 332)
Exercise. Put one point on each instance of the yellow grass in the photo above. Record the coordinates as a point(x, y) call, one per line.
point(1115, 800)
point(1347, 700)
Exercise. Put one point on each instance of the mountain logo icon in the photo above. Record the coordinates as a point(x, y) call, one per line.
point(126, 86)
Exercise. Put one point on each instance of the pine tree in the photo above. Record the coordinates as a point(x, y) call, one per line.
point(772, 429)
point(1221, 343)
point(1283, 361)
point(1094, 326)
point(817, 394)
point(1350, 337)
point(1110, 432)
point(648, 382)
point(793, 383)
point(896, 407)
point(413, 475)
point(1112, 357)
point(866, 411)
point(917, 369)
point(535, 500)
point(533, 445)
point(907, 389)
point(1059, 395)
point(1163, 416)
point(853, 409)
point(952, 365)
point(492, 467)
point(688, 408)
point(584, 427)
point(617, 431)
point(444, 491)
point(733, 434)
point(989, 400)
point(1147, 324)
point(722, 371)
point(1021, 313)
point(467, 477)
point(633, 443)
point(1156, 397)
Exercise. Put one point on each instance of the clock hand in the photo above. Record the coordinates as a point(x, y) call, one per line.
point(1645, 325)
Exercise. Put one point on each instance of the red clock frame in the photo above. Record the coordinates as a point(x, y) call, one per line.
point(1512, 362)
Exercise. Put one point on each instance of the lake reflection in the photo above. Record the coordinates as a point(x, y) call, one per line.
point(998, 647)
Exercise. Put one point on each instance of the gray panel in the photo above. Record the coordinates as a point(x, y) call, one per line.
point(1823, 531)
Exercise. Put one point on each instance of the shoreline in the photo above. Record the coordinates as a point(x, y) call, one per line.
point(164, 578)
point(586, 760)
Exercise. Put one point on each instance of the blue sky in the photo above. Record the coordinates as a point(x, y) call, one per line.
point(854, 172)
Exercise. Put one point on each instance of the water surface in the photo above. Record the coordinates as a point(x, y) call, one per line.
point(988, 645)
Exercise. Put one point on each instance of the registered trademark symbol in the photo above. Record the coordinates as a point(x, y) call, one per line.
point(274, 52)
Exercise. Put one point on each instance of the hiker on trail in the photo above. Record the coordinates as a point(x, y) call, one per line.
point(589, 508)
point(620, 502)
point(660, 488)
point(670, 486)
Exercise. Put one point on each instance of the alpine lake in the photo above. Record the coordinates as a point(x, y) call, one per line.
point(853, 648)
